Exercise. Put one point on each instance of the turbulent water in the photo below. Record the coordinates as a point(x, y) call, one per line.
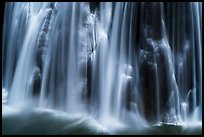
point(102, 68)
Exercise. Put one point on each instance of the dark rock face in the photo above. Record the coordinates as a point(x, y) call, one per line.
point(37, 82)
point(40, 51)
point(154, 60)
point(94, 6)
point(150, 65)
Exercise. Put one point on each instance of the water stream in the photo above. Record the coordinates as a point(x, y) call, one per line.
point(125, 64)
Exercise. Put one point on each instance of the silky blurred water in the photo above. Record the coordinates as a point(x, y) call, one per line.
point(102, 68)
point(49, 122)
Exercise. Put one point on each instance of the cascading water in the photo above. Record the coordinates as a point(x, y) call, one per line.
point(124, 63)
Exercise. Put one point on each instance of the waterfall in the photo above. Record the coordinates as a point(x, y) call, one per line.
point(123, 63)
